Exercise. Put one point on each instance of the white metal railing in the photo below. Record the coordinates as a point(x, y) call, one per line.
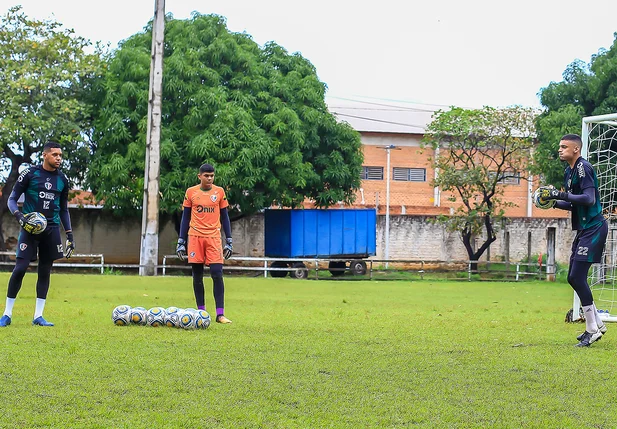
point(99, 256)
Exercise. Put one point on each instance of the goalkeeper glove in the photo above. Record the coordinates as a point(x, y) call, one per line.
point(181, 249)
point(70, 245)
point(25, 221)
point(228, 249)
point(548, 193)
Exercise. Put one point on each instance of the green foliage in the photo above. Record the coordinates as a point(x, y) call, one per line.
point(337, 355)
point(46, 78)
point(256, 113)
point(478, 149)
point(586, 90)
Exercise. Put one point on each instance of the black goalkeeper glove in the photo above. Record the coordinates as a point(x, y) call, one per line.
point(548, 193)
point(228, 249)
point(181, 249)
point(25, 221)
point(70, 245)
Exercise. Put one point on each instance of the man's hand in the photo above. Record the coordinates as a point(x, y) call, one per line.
point(25, 221)
point(181, 249)
point(549, 193)
point(228, 249)
point(70, 245)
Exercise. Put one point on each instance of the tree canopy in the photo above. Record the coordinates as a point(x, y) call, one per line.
point(476, 152)
point(586, 90)
point(256, 113)
point(46, 77)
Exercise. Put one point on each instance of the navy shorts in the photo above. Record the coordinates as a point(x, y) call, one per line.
point(589, 244)
point(48, 244)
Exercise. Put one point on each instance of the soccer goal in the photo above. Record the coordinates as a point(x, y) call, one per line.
point(599, 135)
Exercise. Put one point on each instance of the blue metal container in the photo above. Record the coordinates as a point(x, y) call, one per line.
point(320, 233)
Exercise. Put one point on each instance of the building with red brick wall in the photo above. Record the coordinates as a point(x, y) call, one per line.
point(401, 126)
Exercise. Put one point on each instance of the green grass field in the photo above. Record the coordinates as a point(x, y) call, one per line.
point(306, 354)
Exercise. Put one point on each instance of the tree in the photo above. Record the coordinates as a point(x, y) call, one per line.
point(46, 77)
point(257, 114)
point(586, 90)
point(477, 151)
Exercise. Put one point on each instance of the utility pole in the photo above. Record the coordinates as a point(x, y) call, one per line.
point(149, 255)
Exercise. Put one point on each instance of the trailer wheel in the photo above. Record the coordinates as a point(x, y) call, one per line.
point(358, 267)
point(337, 268)
point(298, 271)
point(279, 264)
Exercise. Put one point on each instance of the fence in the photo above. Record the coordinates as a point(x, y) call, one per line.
point(327, 268)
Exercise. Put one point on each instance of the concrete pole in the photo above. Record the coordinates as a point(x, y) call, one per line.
point(388, 205)
point(148, 259)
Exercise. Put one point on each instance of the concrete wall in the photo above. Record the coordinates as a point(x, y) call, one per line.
point(411, 237)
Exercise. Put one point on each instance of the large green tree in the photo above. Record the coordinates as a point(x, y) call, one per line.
point(586, 90)
point(45, 80)
point(476, 153)
point(256, 113)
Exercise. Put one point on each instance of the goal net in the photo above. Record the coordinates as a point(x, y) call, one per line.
point(599, 135)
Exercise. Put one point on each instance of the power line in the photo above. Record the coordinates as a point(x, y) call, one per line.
point(380, 120)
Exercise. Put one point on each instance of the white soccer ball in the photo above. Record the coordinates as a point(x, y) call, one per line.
point(172, 317)
point(156, 317)
point(187, 318)
point(121, 315)
point(202, 319)
point(540, 203)
point(39, 220)
point(139, 316)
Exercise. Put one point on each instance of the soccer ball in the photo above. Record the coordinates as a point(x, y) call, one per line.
point(187, 319)
point(172, 317)
point(121, 315)
point(139, 316)
point(156, 317)
point(540, 203)
point(39, 220)
point(202, 319)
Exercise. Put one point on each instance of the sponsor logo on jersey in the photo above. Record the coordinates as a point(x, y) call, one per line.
point(47, 196)
point(204, 209)
point(23, 174)
point(213, 198)
point(48, 186)
point(23, 246)
point(192, 254)
point(581, 169)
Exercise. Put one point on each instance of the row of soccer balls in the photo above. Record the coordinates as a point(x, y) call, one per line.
point(174, 317)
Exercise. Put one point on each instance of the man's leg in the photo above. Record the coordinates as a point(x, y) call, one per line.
point(198, 285)
point(17, 277)
point(218, 289)
point(577, 277)
point(42, 287)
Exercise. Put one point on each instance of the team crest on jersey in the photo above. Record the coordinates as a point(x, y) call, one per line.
point(581, 169)
point(23, 246)
point(213, 198)
point(48, 186)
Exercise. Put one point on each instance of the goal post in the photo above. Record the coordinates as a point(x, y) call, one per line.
point(599, 136)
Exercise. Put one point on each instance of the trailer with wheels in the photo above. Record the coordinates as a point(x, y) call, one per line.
point(347, 236)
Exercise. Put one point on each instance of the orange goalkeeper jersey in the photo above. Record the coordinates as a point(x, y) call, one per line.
point(205, 210)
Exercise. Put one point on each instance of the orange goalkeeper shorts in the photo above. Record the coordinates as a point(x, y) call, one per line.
point(205, 250)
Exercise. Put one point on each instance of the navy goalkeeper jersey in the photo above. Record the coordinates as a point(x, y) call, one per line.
point(44, 191)
point(576, 179)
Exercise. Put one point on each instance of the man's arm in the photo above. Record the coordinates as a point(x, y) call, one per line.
point(226, 224)
point(65, 219)
point(181, 250)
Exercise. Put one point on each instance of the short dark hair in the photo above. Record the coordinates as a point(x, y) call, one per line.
point(51, 145)
point(573, 138)
point(206, 168)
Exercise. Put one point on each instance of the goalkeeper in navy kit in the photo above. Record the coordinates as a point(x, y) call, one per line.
point(46, 190)
point(582, 198)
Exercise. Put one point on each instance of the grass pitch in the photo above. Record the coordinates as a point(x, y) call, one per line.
point(306, 354)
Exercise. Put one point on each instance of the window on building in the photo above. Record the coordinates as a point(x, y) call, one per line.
point(372, 173)
point(508, 178)
point(409, 174)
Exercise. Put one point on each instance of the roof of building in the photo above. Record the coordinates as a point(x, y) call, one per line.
point(383, 116)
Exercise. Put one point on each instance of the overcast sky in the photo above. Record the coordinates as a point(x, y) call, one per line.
point(450, 52)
